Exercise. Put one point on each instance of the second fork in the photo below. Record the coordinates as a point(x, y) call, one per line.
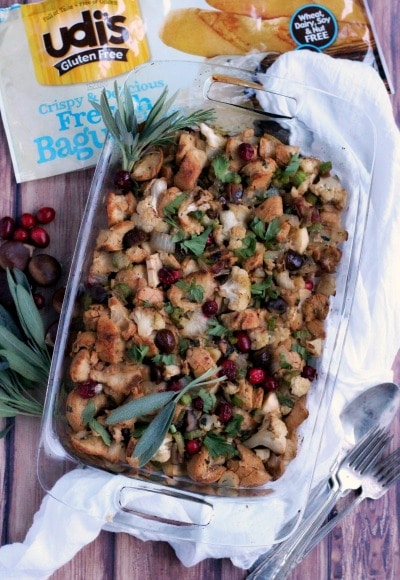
point(348, 475)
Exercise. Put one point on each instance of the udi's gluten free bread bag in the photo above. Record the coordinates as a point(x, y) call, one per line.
point(56, 57)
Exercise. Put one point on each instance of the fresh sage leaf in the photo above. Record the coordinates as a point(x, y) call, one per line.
point(153, 436)
point(138, 407)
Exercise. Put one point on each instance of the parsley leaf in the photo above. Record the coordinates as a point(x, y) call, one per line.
point(265, 288)
point(266, 235)
point(216, 329)
point(194, 291)
point(138, 352)
point(233, 427)
point(218, 446)
point(209, 400)
point(171, 209)
point(167, 359)
point(221, 169)
point(248, 247)
point(197, 244)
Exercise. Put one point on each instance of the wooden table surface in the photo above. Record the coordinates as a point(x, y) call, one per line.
point(366, 545)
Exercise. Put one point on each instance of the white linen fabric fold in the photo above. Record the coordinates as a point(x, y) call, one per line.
point(59, 531)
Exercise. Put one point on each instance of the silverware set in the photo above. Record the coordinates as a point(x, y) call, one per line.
point(362, 469)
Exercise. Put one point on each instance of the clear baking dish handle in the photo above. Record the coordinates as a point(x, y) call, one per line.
point(166, 507)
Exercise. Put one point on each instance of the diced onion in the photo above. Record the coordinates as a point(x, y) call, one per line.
point(161, 242)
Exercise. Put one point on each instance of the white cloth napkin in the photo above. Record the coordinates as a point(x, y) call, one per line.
point(58, 531)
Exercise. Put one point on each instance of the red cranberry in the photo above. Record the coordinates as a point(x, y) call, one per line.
point(21, 235)
point(198, 403)
point(309, 285)
point(174, 385)
point(7, 228)
point(87, 389)
point(193, 446)
point(243, 342)
point(210, 240)
point(39, 300)
point(168, 276)
point(123, 180)
point(45, 215)
point(228, 368)
point(309, 372)
point(27, 221)
point(39, 237)
point(210, 308)
point(269, 383)
point(224, 411)
point(246, 151)
point(256, 376)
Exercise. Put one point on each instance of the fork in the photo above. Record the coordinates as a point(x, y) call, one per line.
point(347, 475)
point(375, 484)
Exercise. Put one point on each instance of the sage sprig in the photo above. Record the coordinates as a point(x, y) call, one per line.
point(24, 357)
point(164, 402)
point(159, 128)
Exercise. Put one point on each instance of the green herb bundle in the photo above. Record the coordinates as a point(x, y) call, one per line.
point(24, 357)
point(159, 128)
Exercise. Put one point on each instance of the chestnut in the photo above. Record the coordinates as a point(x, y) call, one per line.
point(44, 269)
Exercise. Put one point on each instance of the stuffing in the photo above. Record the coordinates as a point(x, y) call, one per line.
point(148, 320)
point(271, 434)
point(228, 305)
point(202, 468)
point(270, 209)
point(110, 240)
point(120, 377)
point(148, 166)
point(330, 190)
point(200, 360)
point(249, 468)
point(109, 346)
point(197, 200)
point(147, 217)
point(299, 386)
point(119, 207)
point(190, 169)
point(237, 289)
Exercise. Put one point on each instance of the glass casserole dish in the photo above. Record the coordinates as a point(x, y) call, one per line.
point(268, 513)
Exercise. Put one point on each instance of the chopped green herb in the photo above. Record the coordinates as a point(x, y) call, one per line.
point(197, 244)
point(266, 235)
point(325, 167)
point(166, 359)
point(283, 362)
point(209, 400)
point(221, 169)
point(233, 427)
point(171, 210)
point(303, 352)
point(194, 291)
point(138, 352)
point(248, 247)
point(293, 166)
point(217, 446)
point(285, 401)
point(216, 329)
point(265, 289)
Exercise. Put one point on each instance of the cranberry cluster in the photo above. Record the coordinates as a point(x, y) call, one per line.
point(28, 228)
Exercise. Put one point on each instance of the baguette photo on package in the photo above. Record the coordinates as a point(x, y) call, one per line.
point(56, 57)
